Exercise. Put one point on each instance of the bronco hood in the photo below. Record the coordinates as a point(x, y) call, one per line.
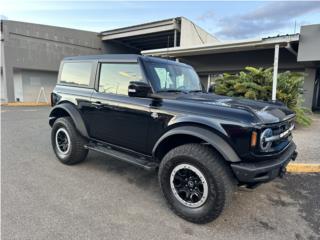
point(267, 112)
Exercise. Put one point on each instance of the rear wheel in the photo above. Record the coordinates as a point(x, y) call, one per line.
point(196, 182)
point(67, 143)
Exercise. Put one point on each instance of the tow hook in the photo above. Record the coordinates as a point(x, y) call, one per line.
point(294, 155)
point(283, 171)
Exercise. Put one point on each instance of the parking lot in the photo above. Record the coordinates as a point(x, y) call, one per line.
point(103, 198)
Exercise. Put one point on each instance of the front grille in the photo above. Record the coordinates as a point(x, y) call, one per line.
point(277, 130)
point(281, 127)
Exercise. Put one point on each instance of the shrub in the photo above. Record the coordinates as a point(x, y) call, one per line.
point(256, 84)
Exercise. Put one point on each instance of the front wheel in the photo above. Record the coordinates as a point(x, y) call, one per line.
point(196, 182)
point(67, 143)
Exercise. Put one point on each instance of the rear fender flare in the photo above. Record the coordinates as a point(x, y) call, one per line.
point(74, 113)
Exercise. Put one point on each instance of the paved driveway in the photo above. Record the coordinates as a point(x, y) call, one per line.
point(308, 141)
point(106, 199)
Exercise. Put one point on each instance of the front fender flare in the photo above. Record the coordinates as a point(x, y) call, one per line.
point(74, 113)
point(207, 136)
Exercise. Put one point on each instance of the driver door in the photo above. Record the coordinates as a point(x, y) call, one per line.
point(117, 118)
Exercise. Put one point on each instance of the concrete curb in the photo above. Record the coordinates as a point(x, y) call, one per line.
point(25, 104)
point(303, 168)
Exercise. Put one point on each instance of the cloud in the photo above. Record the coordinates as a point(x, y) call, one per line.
point(206, 16)
point(63, 5)
point(3, 17)
point(268, 18)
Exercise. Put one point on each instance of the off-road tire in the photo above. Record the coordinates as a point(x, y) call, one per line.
point(76, 153)
point(221, 183)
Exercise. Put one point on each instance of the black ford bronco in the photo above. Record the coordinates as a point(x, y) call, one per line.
point(155, 113)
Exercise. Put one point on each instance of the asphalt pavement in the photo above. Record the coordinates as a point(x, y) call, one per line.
point(308, 141)
point(103, 198)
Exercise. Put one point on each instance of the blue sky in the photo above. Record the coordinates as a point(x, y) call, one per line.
point(226, 20)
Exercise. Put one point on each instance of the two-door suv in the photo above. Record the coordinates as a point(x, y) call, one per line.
point(155, 113)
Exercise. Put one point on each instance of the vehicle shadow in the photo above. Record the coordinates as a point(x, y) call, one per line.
point(133, 174)
point(264, 210)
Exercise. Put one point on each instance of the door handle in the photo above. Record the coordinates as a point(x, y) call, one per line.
point(97, 104)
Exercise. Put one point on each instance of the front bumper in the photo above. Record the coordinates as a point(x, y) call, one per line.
point(264, 171)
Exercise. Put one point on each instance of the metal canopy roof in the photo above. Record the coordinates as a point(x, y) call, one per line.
point(223, 47)
point(150, 41)
point(154, 35)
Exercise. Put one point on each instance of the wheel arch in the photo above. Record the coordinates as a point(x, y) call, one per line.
point(193, 134)
point(68, 109)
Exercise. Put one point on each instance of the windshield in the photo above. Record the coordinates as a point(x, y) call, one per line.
point(173, 78)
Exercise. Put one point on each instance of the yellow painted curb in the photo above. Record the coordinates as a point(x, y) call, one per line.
point(303, 168)
point(25, 104)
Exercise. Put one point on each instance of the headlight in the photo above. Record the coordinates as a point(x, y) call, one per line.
point(264, 145)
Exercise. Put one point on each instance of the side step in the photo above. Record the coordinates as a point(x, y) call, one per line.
point(138, 161)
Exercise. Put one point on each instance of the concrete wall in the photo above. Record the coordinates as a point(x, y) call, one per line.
point(316, 95)
point(308, 86)
point(309, 47)
point(193, 35)
point(3, 87)
point(40, 47)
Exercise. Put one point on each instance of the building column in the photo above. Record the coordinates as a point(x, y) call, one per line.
point(308, 87)
point(209, 82)
point(7, 69)
point(8, 78)
point(175, 38)
point(2, 67)
point(3, 89)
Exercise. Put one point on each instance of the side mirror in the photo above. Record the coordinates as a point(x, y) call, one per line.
point(139, 89)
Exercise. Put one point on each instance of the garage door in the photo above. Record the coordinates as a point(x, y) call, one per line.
point(29, 83)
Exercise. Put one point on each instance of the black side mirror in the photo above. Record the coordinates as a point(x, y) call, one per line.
point(139, 89)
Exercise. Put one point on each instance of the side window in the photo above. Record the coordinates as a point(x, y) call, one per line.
point(76, 73)
point(115, 77)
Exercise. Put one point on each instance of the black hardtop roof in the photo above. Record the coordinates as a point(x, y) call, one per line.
point(109, 57)
point(122, 58)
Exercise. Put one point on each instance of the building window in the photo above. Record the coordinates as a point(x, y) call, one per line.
point(115, 77)
point(76, 73)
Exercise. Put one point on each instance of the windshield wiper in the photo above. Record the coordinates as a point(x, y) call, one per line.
point(191, 91)
point(172, 90)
